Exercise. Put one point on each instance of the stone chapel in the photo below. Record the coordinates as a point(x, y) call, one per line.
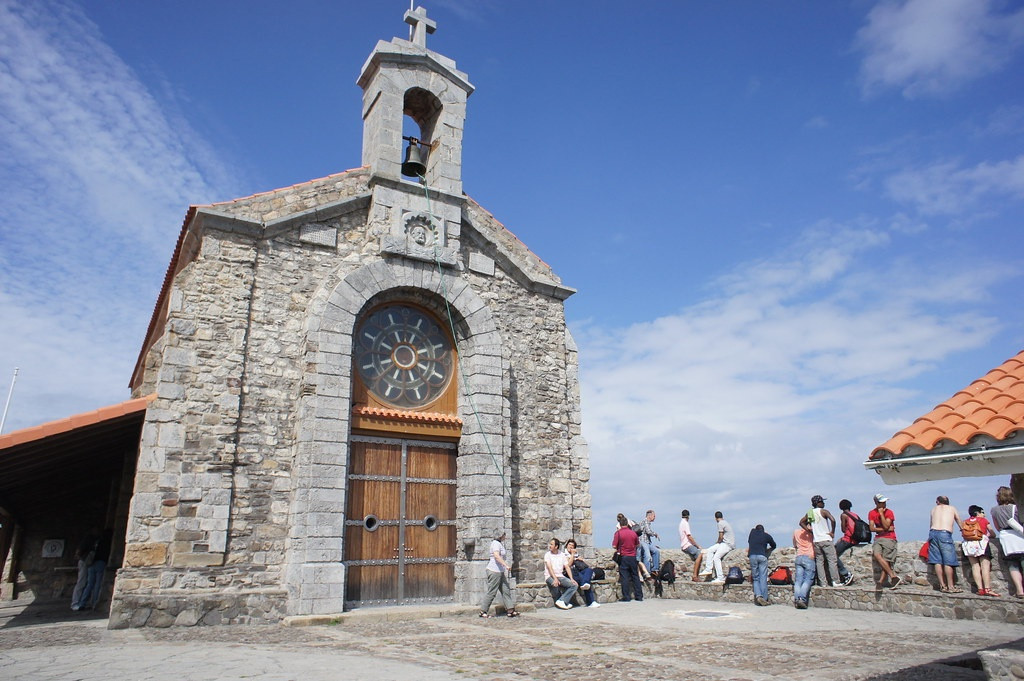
point(359, 381)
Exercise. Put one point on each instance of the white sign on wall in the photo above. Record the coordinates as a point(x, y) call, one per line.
point(53, 548)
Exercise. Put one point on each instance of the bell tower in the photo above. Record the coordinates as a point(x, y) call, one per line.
point(403, 78)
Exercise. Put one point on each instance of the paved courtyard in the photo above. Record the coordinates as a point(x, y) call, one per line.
point(654, 639)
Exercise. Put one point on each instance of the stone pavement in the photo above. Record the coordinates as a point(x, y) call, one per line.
point(653, 639)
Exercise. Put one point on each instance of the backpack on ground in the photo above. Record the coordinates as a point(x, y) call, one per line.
point(971, 530)
point(734, 576)
point(598, 574)
point(667, 572)
point(781, 575)
point(861, 531)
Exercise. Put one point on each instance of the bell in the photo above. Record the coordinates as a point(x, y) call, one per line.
point(413, 165)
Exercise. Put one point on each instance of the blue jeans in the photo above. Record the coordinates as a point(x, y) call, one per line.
point(841, 548)
point(652, 556)
point(641, 553)
point(91, 595)
point(629, 579)
point(804, 578)
point(759, 575)
point(564, 585)
point(583, 577)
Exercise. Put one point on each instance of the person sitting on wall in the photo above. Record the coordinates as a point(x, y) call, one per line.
point(883, 524)
point(716, 552)
point(558, 576)
point(582, 573)
point(687, 543)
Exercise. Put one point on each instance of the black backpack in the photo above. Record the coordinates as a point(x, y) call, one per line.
point(734, 576)
point(861, 531)
point(667, 572)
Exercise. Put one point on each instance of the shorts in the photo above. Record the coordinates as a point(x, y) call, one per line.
point(885, 547)
point(977, 549)
point(692, 551)
point(941, 550)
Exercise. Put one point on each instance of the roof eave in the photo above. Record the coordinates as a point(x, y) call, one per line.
point(965, 463)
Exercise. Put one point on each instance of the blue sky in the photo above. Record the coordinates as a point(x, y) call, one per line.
point(794, 227)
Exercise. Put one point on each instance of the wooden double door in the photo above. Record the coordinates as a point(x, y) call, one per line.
point(400, 522)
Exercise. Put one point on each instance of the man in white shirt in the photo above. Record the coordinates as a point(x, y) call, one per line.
point(558, 576)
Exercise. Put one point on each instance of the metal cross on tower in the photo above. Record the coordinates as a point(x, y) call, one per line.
point(419, 26)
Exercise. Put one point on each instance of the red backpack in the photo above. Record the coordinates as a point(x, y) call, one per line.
point(781, 575)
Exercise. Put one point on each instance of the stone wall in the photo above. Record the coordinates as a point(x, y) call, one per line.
point(918, 596)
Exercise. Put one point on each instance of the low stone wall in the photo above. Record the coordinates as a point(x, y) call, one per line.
point(189, 609)
point(918, 596)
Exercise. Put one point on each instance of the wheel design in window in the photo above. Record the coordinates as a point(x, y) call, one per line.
point(403, 356)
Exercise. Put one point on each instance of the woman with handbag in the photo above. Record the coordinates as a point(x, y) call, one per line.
point(624, 542)
point(1011, 535)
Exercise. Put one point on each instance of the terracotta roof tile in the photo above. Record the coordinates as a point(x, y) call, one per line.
point(77, 421)
point(993, 405)
point(403, 415)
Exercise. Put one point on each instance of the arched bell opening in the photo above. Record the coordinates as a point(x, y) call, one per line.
point(421, 111)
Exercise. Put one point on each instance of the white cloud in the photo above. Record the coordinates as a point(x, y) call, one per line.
point(96, 181)
point(947, 188)
point(932, 47)
point(777, 386)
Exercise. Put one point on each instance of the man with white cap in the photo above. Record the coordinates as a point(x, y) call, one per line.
point(883, 524)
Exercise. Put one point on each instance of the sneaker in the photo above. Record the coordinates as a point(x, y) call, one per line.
point(595, 604)
point(704, 573)
point(562, 606)
point(896, 582)
point(801, 605)
point(720, 580)
point(849, 580)
point(585, 587)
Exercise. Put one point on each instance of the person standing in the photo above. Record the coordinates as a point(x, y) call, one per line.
point(558, 576)
point(760, 544)
point(497, 580)
point(976, 548)
point(941, 550)
point(652, 554)
point(822, 525)
point(1006, 522)
point(844, 543)
point(85, 554)
point(803, 576)
point(726, 543)
point(625, 542)
point(98, 570)
point(883, 523)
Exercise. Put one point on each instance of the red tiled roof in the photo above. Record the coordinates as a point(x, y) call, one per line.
point(993, 405)
point(402, 415)
point(70, 423)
